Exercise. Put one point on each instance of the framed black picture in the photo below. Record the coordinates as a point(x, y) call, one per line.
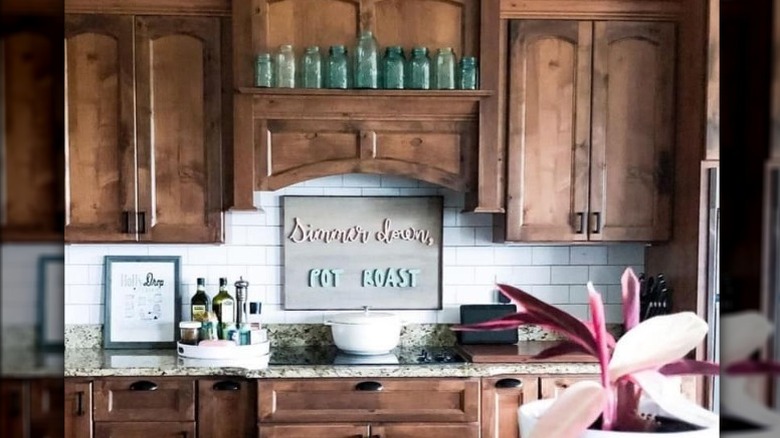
point(142, 301)
point(50, 327)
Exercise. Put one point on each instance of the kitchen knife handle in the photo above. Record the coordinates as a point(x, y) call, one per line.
point(580, 219)
point(597, 218)
point(509, 383)
point(369, 386)
point(143, 385)
point(227, 385)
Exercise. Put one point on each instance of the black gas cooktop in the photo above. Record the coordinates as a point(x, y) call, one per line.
point(330, 355)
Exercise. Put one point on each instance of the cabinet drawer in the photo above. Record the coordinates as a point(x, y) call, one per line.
point(145, 399)
point(145, 430)
point(350, 400)
point(314, 430)
point(551, 387)
point(416, 430)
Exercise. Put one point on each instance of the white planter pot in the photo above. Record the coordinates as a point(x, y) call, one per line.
point(365, 333)
point(529, 414)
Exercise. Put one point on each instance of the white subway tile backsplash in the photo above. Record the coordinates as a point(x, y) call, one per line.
point(569, 275)
point(471, 262)
point(579, 293)
point(589, 255)
point(550, 255)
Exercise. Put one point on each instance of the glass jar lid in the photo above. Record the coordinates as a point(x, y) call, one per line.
point(190, 324)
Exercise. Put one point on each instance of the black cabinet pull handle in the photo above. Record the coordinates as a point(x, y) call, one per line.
point(80, 403)
point(141, 222)
point(227, 385)
point(509, 383)
point(15, 407)
point(126, 222)
point(597, 218)
point(580, 222)
point(369, 386)
point(143, 385)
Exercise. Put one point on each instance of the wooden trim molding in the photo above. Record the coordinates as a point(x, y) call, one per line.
point(150, 7)
point(774, 149)
point(590, 10)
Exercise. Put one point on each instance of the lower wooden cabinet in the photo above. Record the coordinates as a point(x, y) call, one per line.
point(145, 399)
point(78, 409)
point(314, 430)
point(226, 408)
point(144, 429)
point(501, 398)
point(13, 416)
point(31, 408)
point(385, 430)
point(427, 430)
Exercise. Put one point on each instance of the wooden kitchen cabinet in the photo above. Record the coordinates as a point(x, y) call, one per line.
point(370, 400)
point(47, 404)
point(428, 430)
point(227, 407)
point(144, 144)
point(14, 415)
point(501, 398)
point(314, 430)
point(285, 136)
point(145, 430)
point(78, 409)
point(373, 430)
point(133, 399)
point(591, 131)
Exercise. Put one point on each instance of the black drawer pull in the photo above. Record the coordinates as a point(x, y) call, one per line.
point(509, 383)
point(80, 403)
point(369, 386)
point(580, 222)
point(597, 227)
point(227, 385)
point(143, 385)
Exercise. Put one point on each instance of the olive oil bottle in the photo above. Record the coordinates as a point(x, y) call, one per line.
point(199, 304)
point(225, 307)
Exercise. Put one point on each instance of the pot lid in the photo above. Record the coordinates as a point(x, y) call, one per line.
point(364, 317)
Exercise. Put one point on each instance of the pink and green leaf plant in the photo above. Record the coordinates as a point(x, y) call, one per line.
point(639, 362)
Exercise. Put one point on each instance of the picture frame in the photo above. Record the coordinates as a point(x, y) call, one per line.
point(50, 324)
point(142, 301)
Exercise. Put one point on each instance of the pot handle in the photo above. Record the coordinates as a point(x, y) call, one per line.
point(327, 322)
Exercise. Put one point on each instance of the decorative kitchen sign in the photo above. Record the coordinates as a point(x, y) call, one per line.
point(142, 302)
point(351, 252)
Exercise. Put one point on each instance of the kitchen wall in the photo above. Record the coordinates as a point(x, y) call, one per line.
point(472, 262)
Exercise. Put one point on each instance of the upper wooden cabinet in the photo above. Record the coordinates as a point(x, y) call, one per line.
point(143, 150)
point(284, 136)
point(590, 131)
point(32, 200)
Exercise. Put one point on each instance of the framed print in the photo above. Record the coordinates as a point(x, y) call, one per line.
point(50, 326)
point(142, 301)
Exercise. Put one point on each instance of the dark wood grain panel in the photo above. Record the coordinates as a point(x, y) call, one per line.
point(145, 430)
point(598, 9)
point(414, 430)
point(314, 430)
point(227, 407)
point(172, 400)
point(499, 418)
point(78, 409)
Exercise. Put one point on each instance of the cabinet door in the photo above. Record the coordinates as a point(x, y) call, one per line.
point(549, 130)
point(100, 136)
point(47, 408)
point(78, 410)
point(138, 399)
point(31, 155)
point(314, 430)
point(145, 430)
point(14, 415)
point(227, 407)
point(633, 131)
point(179, 129)
point(551, 387)
point(501, 398)
point(427, 430)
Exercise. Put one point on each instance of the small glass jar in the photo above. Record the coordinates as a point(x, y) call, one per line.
point(189, 332)
point(420, 69)
point(285, 67)
point(366, 61)
point(337, 68)
point(264, 71)
point(393, 66)
point(445, 69)
point(312, 68)
point(468, 73)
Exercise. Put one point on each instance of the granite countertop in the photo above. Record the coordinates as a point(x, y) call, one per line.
point(31, 363)
point(100, 363)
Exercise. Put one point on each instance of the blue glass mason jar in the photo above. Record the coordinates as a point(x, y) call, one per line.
point(264, 71)
point(312, 68)
point(366, 61)
point(393, 66)
point(420, 69)
point(337, 68)
point(468, 73)
point(445, 69)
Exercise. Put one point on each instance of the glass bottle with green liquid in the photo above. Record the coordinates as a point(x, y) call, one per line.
point(225, 307)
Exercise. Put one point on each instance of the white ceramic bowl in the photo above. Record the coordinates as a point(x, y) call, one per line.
point(365, 333)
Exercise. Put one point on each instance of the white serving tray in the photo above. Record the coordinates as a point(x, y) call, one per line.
point(232, 352)
point(258, 362)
